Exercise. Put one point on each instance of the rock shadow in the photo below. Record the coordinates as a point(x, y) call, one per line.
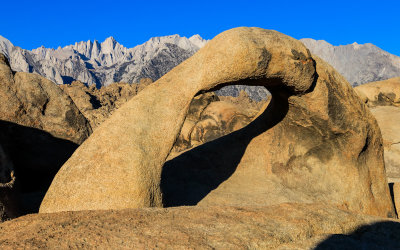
point(189, 177)
point(67, 79)
point(94, 101)
point(380, 235)
point(37, 156)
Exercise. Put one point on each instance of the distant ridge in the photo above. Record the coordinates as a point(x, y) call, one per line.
point(103, 63)
point(358, 63)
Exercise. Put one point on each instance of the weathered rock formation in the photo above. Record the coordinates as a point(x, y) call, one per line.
point(383, 98)
point(316, 141)
point(284, 226)
point(98, 104)
point(40, 127)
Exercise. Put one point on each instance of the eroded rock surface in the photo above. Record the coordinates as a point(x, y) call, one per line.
point(284, 226)
point(316, 141)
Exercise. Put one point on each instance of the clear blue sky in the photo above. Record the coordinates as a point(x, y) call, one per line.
point(30, 24)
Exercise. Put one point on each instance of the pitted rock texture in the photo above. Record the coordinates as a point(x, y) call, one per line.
point(316, 141)
point(284, 226)
point(219, 118)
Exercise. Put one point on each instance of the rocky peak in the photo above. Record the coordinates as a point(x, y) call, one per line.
point(5, 46)
point(109, 45)
point(198, 40)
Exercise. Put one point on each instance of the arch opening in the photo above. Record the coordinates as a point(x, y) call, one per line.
point(188, 176)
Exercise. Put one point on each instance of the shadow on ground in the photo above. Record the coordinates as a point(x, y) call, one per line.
point(380, 235)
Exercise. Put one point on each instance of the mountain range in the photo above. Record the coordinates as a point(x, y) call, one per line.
point(103, 63)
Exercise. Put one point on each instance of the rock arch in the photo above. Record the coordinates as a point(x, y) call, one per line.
point(312, 127)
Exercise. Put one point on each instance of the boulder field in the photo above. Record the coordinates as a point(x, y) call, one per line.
point(315, 142)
